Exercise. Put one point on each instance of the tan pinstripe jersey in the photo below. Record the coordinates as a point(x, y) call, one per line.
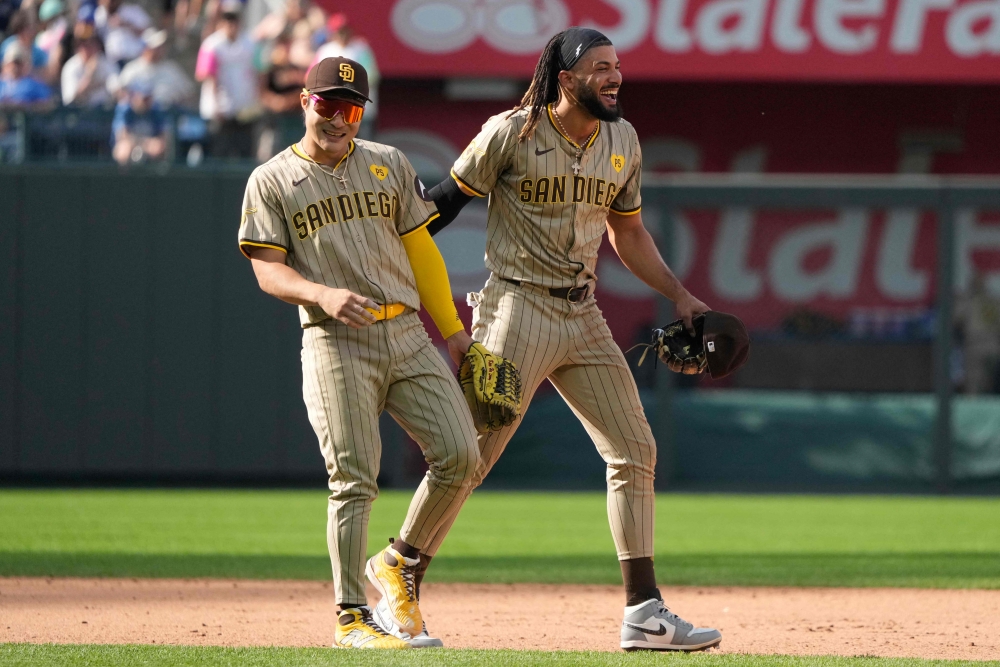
point(545, 222)
point(344, 235)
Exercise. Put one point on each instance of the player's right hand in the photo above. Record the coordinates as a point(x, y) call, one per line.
point(348, 307)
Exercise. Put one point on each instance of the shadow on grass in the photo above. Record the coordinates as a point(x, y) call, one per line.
point(933, 570)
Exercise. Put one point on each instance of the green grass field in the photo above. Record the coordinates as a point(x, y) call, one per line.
point(512, 537)
point(500, 537)
point(18, 655)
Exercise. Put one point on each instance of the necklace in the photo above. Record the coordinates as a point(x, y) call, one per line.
point(342, 177)
point(579, 150)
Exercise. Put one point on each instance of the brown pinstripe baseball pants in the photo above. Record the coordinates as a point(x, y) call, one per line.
point(571, 345)
point(349, 377)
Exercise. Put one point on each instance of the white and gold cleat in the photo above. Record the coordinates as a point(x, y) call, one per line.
point(394, 577)
point(357, 629)
point(384, 618)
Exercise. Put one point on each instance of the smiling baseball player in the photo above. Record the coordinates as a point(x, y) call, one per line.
point(339, 227)
point(559, 170)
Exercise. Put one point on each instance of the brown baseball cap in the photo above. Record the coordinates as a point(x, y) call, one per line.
point(727, 343)
point(332, 76)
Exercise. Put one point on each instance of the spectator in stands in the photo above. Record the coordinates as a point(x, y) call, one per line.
point(301, 51)
point(229, 95)
point(213, 14)
point(22, 30)
point(139, 129)
point(279, 95)
point(82, 29)
point(182, 15)
point(55, 25)
point(978, 316)
point(283, 81)
point(122, 26)
point(171, 86)
point(7, 10)
point(343, 42)
point(316, 18)
point(85, 76)
point(280, 21)
point(18, 88)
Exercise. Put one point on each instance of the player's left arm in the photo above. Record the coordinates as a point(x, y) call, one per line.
point(638, 252)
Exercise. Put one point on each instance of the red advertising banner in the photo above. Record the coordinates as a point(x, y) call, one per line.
point(778, 40)
point(871, 270)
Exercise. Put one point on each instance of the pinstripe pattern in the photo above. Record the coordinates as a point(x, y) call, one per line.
point(348, 236)
point(349, 377)
point(332, 234)
point(571, 345)
point(544, 228)
point(533, 234)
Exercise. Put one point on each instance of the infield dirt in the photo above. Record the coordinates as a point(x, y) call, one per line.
point(947, 624)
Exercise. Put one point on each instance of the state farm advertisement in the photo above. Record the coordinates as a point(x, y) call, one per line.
point(870, 269)
point(785, 40)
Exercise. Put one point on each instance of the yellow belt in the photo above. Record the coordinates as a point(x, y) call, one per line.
point(388, 311)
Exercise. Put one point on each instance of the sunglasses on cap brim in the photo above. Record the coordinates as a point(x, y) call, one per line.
point(329, 108)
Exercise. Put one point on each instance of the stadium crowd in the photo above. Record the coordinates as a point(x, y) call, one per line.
point(189, 69)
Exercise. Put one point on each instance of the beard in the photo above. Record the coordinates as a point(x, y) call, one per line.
point(595, 107)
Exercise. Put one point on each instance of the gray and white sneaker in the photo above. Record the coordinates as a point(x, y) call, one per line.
point(383, 616)
point(651, 625)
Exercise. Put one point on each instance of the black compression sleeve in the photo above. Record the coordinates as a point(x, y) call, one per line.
point(449, 199)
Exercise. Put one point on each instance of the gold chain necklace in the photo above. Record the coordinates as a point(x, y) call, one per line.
point(342, 178)
point(579, 150)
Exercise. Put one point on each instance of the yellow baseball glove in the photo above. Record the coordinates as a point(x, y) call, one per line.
point(492, 387)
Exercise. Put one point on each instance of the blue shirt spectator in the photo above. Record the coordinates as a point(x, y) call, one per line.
point(17, 86)
point(38, 57)
point(139, 122)
point(139, 129)
point(22, 30)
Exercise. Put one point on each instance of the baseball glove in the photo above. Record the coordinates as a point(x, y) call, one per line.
point(681, 351)
point(492, 387)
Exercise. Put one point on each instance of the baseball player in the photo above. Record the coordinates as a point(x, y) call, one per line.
point(559, 169)
point(338, 226)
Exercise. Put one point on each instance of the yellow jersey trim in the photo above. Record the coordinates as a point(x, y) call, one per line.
point(423, 224)
point(459, 179)
point(302, 154)
point(260, 244)
point(632, 212)
point(555, 127)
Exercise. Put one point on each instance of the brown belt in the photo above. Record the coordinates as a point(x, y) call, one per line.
point(571, 294)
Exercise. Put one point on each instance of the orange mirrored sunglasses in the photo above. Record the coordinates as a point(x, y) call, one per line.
point(328, 109)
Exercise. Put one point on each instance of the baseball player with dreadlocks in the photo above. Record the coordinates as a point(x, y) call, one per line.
point(559, 169)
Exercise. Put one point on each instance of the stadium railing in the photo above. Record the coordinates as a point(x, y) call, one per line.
point(941, 201)
point(128, 318)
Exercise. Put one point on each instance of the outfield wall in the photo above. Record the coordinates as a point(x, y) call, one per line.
point(135, 344)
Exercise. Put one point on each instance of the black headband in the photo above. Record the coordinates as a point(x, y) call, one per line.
point(576, 41)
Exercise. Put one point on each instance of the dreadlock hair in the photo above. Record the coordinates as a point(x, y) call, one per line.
point(544, 88)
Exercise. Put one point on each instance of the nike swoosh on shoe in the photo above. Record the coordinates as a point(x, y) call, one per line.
point(659, 631)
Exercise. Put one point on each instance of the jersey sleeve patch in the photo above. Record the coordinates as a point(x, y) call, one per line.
point(421, 190)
